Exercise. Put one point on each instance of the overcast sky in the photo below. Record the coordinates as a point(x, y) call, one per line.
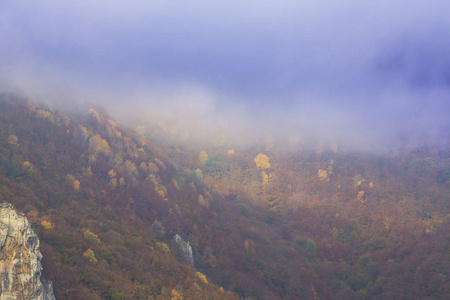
point(349, 71)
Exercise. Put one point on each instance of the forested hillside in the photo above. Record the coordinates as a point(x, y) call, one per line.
point(107, 201)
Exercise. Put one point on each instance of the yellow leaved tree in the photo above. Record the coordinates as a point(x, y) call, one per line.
point(199, 174)
point(201, 277)
point(262, 161)
point(131, 169)
point(91, 236)
point(47, 224)
point(323, 175)
point(90, 255)
point(361, 197)
point(99, 145)
point(203, 157)
point(176, 295)
point(76, 185)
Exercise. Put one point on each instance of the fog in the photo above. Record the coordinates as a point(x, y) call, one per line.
point(367, 75)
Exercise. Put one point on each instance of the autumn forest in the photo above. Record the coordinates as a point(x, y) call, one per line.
point(127, 211)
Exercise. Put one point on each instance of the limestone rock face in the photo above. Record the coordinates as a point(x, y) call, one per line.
point(185, 248)
point(20, 259)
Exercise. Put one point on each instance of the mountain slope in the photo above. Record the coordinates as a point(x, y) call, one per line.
point(97, 240)
point(107, 203)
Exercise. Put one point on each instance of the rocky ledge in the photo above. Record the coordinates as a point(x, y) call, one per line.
point(20, 258)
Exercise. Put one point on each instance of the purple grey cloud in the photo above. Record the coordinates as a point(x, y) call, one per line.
point(365, 71)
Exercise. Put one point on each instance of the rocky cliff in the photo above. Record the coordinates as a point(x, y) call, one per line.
point(185, 248)
point(20, 258)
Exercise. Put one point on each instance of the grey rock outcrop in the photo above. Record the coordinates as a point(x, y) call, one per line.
point(20, 259)
point(185, 248)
